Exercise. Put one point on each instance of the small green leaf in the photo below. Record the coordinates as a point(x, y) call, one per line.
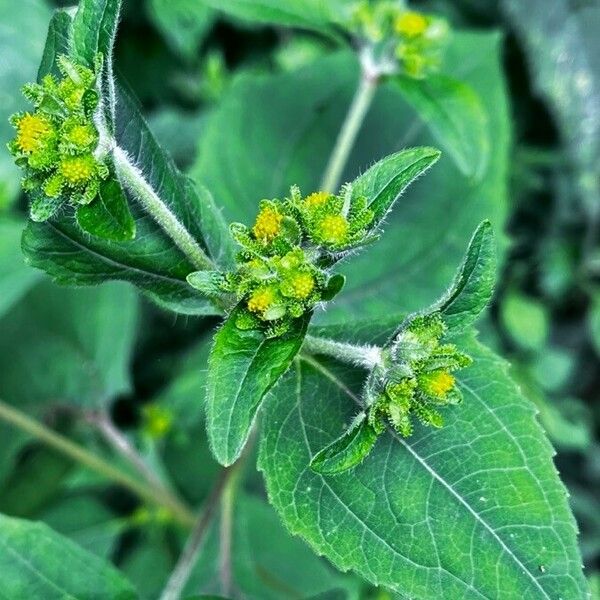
point(36, 562)
point(108, 216)
point(386, 180)
point(242, 368)
point(349, 450)
point(473, 284)
point(455, 115)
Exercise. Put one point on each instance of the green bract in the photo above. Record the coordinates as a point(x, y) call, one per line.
point(57, 144)
point(415, 376)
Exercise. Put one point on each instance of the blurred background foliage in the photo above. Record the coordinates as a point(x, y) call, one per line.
point(68, 354)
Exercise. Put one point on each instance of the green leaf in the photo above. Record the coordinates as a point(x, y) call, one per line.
point(183, 23)
point(243, 366)
point(473, 285)
point(67, 345)
point(108, 216)
point(36, 562)
point(21, 44)
point(303, 14)
point(15, 276)
point(386, 180)
point(291, 121)
point(95, 29)
point(57, 43)
point(472, 510)
point(455, 115)
point(349, 450)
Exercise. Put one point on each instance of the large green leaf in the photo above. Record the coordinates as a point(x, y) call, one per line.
point(21, 44)
point(68, 345)
point(151, 261)
point(473, 510)
point(243, 366)
point(304, 14)
point(36, 562)
point(290, 122)
point(15, 276)
point(454, 113)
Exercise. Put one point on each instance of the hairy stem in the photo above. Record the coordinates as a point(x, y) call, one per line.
point(82, 456)
point(347, 136)
point(189, 556)
point(360, 356)
point(133, 180)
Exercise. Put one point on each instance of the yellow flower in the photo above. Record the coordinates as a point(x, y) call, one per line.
point(302, 285)
point(268, 224)
point(31, 132)
point(411, 24)
point(316, 199)
point(437, 383)
point(261, 300)
point(334, 229)
point(77, 170)
point(157, 420)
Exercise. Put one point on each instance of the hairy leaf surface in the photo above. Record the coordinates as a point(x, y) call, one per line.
point(473, 510)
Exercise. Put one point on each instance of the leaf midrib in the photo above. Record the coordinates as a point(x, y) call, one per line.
point(114, 262)
point(324, 370)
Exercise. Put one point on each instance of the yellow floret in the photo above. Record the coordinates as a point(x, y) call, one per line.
point(77, 170)
point(302, 285)
point(411, 24)
point(268, 224)
point(437, 383)
point(334, 229)
point(31, 131)
point(316, 199)
point(261, 300)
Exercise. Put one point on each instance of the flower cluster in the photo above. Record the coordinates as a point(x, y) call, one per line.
point(411, 39)
point(284, 258)
point(417, 377)
point(55, 143)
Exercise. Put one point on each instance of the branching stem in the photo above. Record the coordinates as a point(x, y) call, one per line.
point(82, 456)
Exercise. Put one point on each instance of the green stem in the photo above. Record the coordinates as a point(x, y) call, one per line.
point(361, 356)
point(134, 181)
point(226, 532)
point(189, 556)
point(80, 455)
point(347, 136)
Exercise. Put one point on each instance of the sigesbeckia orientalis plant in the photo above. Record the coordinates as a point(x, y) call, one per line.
point(347, 408)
